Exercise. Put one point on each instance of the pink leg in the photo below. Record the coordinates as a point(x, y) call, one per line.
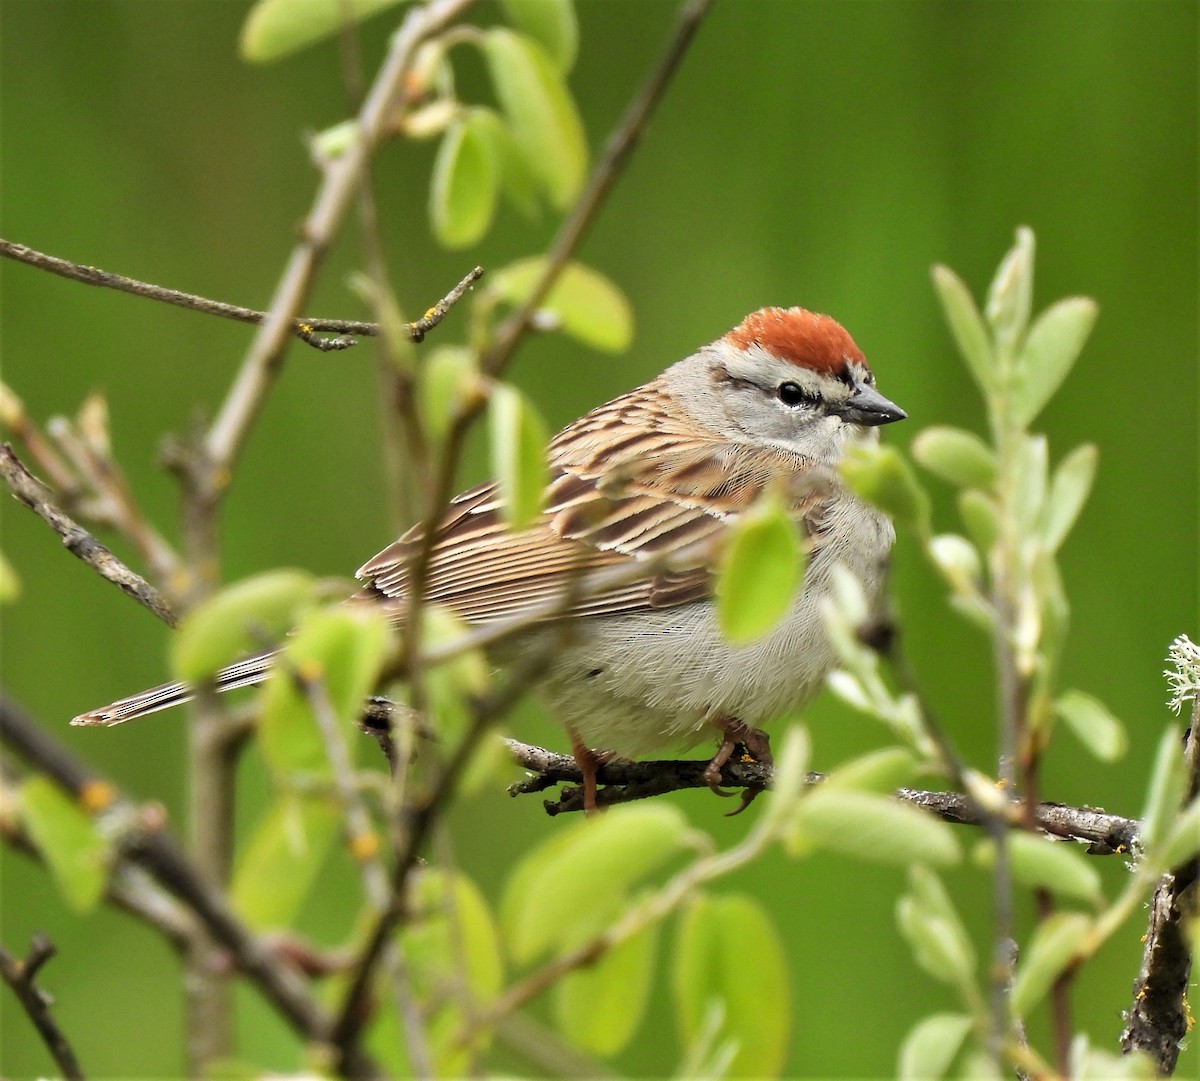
point(757, 745)
point(589, 763)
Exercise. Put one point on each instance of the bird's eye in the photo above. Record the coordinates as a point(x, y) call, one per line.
point(793, 394)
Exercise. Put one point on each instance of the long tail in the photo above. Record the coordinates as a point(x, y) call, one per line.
point(245, 673)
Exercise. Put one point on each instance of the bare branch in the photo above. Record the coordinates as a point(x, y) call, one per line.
point(20, 976)
point(306, 328)
point(77, 540)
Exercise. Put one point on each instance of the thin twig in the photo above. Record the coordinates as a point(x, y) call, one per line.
point(155, 852)
point(77, 540)
point(306, 328)
point(20, 976)
point(262, 363)
point(626, 781)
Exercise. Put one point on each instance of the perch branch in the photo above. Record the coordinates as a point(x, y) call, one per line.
point(20, 976)
point(626, 781)
point(306, 328)
point(77, 540)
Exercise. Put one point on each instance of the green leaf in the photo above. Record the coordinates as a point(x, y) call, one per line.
point(933, 928)
point(760, 573)
point(517, 181)
point(243, 618)
point(981, 517)
point(728, 950)
point(555, 889)
point(868, 826)
point(1094, 726)
point(551, 23)
point(277, 866)
point(1010, 296)
point(966, 324)
point(344, 648)
point(930, 1047)
point(449, 383)
point(599, 1008)
point(1040, 863)
point(275, 28)
point(883, 478)
point(957, 456)
point(584, 303)
point(1166, 788)
point(463, 188)
point(1068, 492)
point(77, 854)
point(1055, 942)
point(881, 771)
point(1183, 839)
point(518, 439)
point(1054, 343)
point(540, 111)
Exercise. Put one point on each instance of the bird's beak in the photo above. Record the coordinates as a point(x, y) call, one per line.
point(866, 406)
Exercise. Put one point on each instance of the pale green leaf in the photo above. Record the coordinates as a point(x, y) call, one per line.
point(929, 921)
point(449, 383)
point(540, 111)
point(556, 888)
point(958, 560)
point(278, 864)
point(242, 618)
point(1041, 863)
point(1055, 943)
point(453, 685)
point(880, 476)
point(551, 23)
point(727, 950)
point(955, 455)
point(930, 1046)
point(275, 28)
point(340, 649)
point(582, 301)
point(1054, 343)
point(873, 827)
point(10, 582)
point(463, 187)
point(760, 573)
point(599, 1008)
point(1094, 726)
point(966, 325)
point(1165, 791)
point(881, 771)
point(518, 442)
point(1069, 490)
point(77, 854)
point(1183, 838)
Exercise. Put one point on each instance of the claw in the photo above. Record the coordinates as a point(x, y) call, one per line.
point(757, 745)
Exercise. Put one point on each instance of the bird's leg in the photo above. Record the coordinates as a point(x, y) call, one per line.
point(589, 763)
point(757, 745)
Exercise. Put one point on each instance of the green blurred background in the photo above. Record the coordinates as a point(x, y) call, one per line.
point(823, 154)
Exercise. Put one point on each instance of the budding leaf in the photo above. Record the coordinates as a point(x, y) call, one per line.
point(1069, 488)
point(76, 852)
point(1055, 942)
point(551, 23)
point(1094, 726)
point(966, 324)
point(960, 457)
point(930, 1047)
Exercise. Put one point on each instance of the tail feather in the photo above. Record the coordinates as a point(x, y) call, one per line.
point(244, 673)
